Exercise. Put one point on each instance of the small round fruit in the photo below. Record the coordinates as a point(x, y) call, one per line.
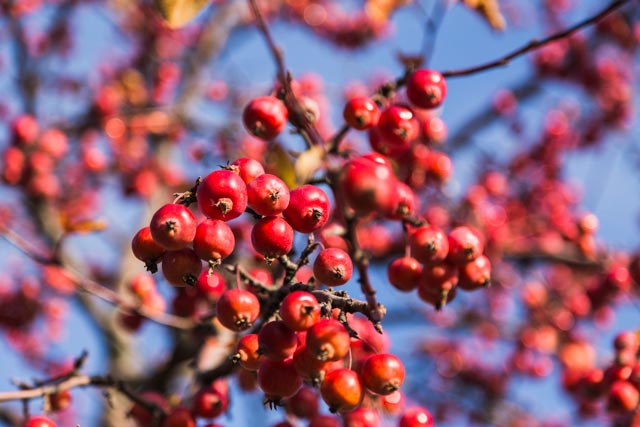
point(277, 341)
point(146, 249)
point(173, 226)
point(210, 285)
point(222, 195)
point(464, 245)
point(382, 373)
point(398, 127)
point(272, 237)
point(416, 417)
point(364, 416)
point(342, 390)
point(367, 185)
point(308, 209)
point(237, 309)
point(475, 274)
point(265, 117)
point(404, 273)
point(247, 352)
point(278, 379)
point(429, 244)
point(300, 310)
point(248, 169)
point(268, 195)
point(213, 241)
point(361, 112)
point(209, 402)
point(426, 88)
point(179, 417)
point(39, 421)
point(328, 340)
point(333, 267)
point(181, 267)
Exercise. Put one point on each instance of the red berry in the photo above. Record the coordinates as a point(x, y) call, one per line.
point(213, 241)
point(367, 186)
point(247, 353)
point(277, 341)
point(300, 310)
point(142, 285)
point(324, 420)
point(303, 404)
point(328, 340)
point(333, 267)
point(475, 274)
point(26, 128)
point(248, 169)
point(398, 127)
point(272, 237)
point(237, 309)
point(416, 417)
point(146, 249)
point(211, 285)
point(404, 273)
point(429, 244)
point(363, 416)
point(434, 130)
point(627, 340)
point(278, 379)
point(436, 298)
point(309, 367)
point(623, 397)
point(265, 117)
point(182, 267)
point(361, 112)
point(382, 373)
point(141, 414)
point(308, 209)
point(60, 401)
point(39, 421)
point(438, 280)
point(405, 202)
point(392, 403)
point(173, 226)
point(426, 88)
point(179, 417)
point(268, 195)
point(464, 245)
point(222, 195)
point(209, 402)
point(342, 390)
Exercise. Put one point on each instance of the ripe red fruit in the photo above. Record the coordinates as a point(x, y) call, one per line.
point(210, 285)
point(179, 417)
point(464, 245)
point(141, 414)
point(404, 273)
point(277, 342)
point(39, 421)
point(342, 390)
point(247, 353)
point(268, 195)
point(222, 195)
point(436, 299)
point(434, 130)
point(429, 244)
point(248, 169)
point(438, 280)
point(278, 379)
point(272, 236)
point(173, 226)
point(328, 340)
point(209, 402)
point(626, 340)
point(382, 373)
point(416, 417)
point(475, 274)
point(300, 310)
point(146, 249)
point(213, 241)
point(426, 88)
point(361, 112)
point(141, 285)
point(367, 185)
point(333, 267)
point(237, 309)
point(405, 202)
point(363, 416)
point(303, 404)
point(308, 209)
point(265, 117)
point(60, 401)
point(309, 367)
point(398, 127)
point(324, 420)
point(181, 267)
point(26, 128)
point(392, 403)
point(623, 397)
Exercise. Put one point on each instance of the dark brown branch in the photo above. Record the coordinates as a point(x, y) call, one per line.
point(572, 260)
point(535, 44)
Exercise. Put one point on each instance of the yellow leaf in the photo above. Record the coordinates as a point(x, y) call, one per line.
point(178, 13)
point(490, 10)
point(83, 226)
point(279, 163)
point(308, 162)
point(381, 10)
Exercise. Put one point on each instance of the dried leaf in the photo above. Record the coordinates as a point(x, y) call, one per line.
point(308, 162)
point(490, 10)
point(280, 163)
point(82, 226)
point(381, 10)
point(178, 13)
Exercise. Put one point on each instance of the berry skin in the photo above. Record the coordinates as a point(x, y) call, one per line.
point(382, 373)
point(333, 267)
point(179, 417)
point(438, 280)
point(342, 390)
point(210, 285)
point(276, 341)
point(464, 245)
point(398, 127)
point(308, 209)
point(272, 237)
point(623, 397)
point(237, 309)
point(324, 420)
point(300, 310)
point(328, 340)
point(367, 185)
point(213, 241)
point(364, 416)
point(173, 226)
point(39, 421)
point(268, 195)
point(404, 273)
point(209, 402)
point(222, 195)
point(182, 267)
point(60, 401)
point(265, 117)
point(426, 89)
point(361, 113)
point(429, 244)
point(416, 417)
point(146, 249)
point(475, 274)
point(278, 379)
point(404, 202)
point(309, 368)
point(248, 169)
point(247, 353)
